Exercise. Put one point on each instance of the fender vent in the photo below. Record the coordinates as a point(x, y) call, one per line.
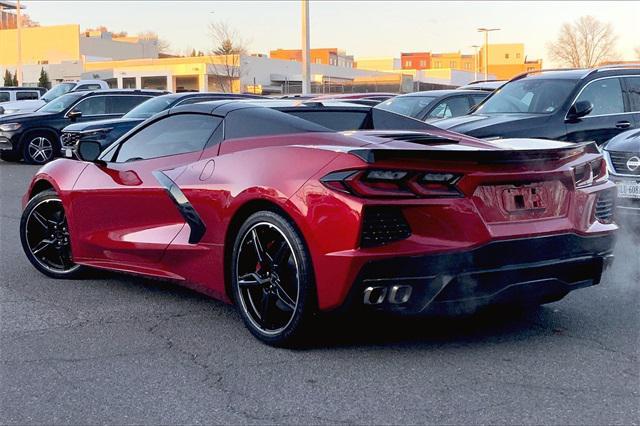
point(605, 206)
point(383, 225)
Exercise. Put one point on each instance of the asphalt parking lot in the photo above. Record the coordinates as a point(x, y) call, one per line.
point(121, 349)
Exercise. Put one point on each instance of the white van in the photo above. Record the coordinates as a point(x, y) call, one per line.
point(22, 106)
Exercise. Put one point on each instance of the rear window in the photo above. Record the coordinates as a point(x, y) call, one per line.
point(259, 121)
point(412, 106)
point(335, 120)
point(23, 96)
point(5, 97)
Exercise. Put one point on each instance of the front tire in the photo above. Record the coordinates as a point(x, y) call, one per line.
point(39, 148)
point(9, 156)
point(45, 236)
point(272, 279)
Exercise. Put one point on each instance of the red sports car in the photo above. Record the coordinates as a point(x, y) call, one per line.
point(287, 218)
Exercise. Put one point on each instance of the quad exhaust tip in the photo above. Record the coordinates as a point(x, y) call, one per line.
point(397, 294)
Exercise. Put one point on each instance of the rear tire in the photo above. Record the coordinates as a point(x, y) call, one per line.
point(272, 279)
point(45, 237)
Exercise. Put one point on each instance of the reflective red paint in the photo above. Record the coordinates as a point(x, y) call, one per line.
point(121, 218)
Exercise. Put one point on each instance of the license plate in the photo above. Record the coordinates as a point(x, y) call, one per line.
point(628, 189)
point(68, 152)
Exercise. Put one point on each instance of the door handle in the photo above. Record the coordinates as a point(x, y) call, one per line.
point(623, 124)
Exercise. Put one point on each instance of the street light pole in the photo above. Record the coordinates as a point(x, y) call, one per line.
point(486, 32)
point(306, 47)
point(19, 37)
point(475, 62)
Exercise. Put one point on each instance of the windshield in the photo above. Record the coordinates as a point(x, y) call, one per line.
point(61, 103)
point(59, 90)
point(411, 106)
point(149, 108)
point(533, 96)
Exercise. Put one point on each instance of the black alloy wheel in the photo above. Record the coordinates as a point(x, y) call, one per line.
point(45, 236)
point(272, 279)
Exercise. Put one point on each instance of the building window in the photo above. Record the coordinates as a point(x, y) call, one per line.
point(318, 61)
point(467, 65)
point(529, 69)
point(452, 64)
point(436, 64)
point(517, 56)
point(408, 64)
point(423, 63)
point(506, 56)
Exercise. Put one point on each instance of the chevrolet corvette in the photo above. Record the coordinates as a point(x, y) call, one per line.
point(287, 218)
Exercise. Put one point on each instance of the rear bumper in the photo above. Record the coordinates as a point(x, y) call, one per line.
point(529, 270)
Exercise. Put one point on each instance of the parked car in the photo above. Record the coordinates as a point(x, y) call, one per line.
point(623, 158)
point(12, 94)
point(287, 218)
point(484, 85)
point(568, 105)
point(434, 104)
point(21, 106)
point(107, 131)
point(35, 137)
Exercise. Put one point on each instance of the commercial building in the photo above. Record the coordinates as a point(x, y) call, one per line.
point(325, 56)
point(62, 50)
point(240, 73)
point(507, 60)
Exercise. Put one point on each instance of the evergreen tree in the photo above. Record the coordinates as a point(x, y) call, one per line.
point(8, 79)
point(43, 81)
point(15, 79)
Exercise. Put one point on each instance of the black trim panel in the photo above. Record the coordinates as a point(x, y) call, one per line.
point(185, 208)
point(478, 156)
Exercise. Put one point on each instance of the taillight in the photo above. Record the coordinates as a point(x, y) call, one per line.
point(591, 173)
point(393, 183)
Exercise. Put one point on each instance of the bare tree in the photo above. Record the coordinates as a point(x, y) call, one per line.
point(584, 43)
point(228, 47)
point(163, 45)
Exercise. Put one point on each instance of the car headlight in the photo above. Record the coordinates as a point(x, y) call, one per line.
point(10, 127)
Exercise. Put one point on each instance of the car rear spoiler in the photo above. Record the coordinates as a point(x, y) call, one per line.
point(375, 155)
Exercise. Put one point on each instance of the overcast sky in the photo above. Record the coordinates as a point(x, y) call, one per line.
point(364, 29)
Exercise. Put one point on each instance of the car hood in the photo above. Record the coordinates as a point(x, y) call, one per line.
point(625, 142)
point(103, 124)
point(471, 122)
point(30, 105)
point(24, 116)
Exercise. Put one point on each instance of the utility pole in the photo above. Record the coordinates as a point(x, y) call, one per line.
point(19, 37)
point(306, 47)
point(486, 32)
point(475, 62)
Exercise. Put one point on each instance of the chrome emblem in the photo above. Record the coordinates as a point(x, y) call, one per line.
point(633, 163)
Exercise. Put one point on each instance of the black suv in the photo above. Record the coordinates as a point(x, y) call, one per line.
point(106, 132)
point(567, 105)
point(35, 136)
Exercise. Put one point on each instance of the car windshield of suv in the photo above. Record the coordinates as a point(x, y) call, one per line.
point(61, 103)
point(411, 106)
point(57, 91)
point(149, 108)
point(532, 96)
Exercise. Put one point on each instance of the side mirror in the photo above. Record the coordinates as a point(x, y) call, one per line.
point(74, 115)
point(579, 109)
point(89, 150)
